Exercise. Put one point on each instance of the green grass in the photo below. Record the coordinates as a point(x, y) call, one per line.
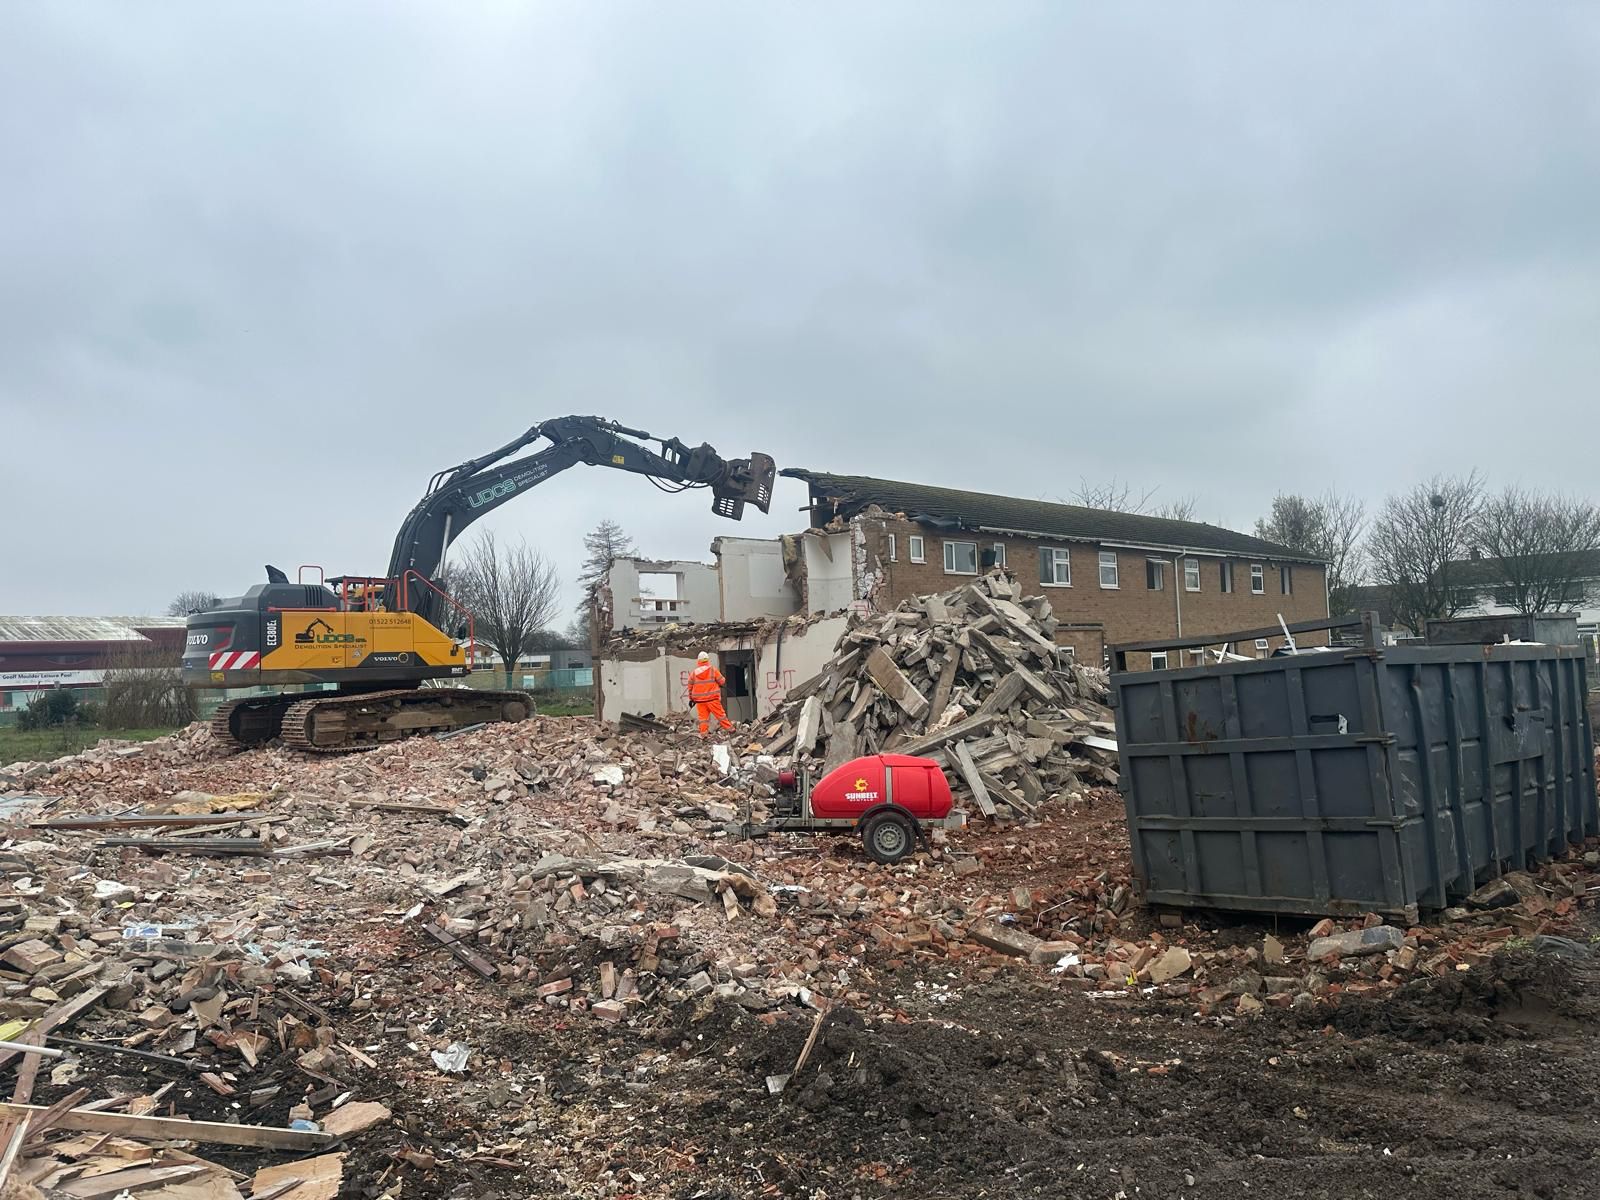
point(37, 745)
point(581, 706)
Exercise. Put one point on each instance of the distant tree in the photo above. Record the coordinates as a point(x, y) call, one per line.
point(604, 546)
point(1119, 496)
point(142, 688)
point(1543, 547)
point(1415, 542)
point(577, 632)
point(513, 593)
point(1181, 509)
point(1328, 527)
point(187, 603)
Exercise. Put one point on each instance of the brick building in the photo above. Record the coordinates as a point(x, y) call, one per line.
point(1111, 577)
point(39, 653)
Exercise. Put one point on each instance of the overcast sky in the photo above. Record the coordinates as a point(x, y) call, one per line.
point(266, 267)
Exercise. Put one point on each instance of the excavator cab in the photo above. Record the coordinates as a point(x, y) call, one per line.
point(748, 481)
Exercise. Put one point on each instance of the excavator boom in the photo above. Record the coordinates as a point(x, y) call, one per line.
point(376, 641)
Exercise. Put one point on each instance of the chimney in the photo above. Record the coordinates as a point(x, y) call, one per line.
point(1477, 555)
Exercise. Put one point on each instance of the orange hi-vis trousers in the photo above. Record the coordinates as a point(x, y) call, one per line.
point(709, 709)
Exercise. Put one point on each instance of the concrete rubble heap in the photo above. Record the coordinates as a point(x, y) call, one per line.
point(388, 946)
point(973, 676)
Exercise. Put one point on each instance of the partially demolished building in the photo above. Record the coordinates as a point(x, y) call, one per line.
point(771, 610)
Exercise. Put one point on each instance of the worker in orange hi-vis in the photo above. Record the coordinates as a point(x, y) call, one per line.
point(705, 693)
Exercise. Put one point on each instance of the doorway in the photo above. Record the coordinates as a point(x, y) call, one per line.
point(739, 696)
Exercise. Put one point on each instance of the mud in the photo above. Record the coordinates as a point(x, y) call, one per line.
point(1480, 1084)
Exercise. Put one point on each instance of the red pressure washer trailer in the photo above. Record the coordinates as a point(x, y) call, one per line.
point(891, 798)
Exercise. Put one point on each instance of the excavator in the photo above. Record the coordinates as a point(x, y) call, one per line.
point(383, 642)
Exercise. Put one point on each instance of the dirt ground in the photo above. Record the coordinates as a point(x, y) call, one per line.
point(939, 1069)
point(1480, 1084)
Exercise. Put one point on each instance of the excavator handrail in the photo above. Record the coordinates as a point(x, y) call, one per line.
point(472, 642)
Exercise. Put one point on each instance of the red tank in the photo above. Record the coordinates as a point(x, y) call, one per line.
point(917, 785)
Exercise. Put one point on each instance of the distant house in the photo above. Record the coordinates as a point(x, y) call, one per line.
point(1483, 590)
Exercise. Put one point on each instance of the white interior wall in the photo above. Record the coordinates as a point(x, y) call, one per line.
point(750, 571)
point(661, 685)
point(830, 580)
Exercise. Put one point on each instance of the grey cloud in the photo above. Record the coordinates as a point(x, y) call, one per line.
point(267, 268)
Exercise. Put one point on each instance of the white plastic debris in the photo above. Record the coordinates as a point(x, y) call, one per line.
point(453, 1060)
point(1065, 961)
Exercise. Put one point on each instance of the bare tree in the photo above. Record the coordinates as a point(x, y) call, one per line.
point(576, 634)
point(187, 603)
point(512, 592)
point(142, 688)
point(1416, 542)
point(1543, 547)
point(1328, 527)
point(1118, 495)
point(1181, 509)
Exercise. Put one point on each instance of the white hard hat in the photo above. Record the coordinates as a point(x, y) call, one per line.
point(704, 657)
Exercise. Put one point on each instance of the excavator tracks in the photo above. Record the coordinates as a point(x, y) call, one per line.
point(334, 723)
point(339, 724)
point(250, 721)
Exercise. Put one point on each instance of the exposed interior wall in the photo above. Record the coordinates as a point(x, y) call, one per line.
point(654, 680)
point(751, 579)
point(693, 585)
point(830, 571)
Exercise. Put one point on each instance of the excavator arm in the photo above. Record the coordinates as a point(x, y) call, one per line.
point(459, 496)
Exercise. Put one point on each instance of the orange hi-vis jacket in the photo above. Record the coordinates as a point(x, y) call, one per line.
point(705, 684)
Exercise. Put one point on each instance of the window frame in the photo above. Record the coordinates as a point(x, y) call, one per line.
point(999, 554)
point(1263, 646)
point(1225, 576)
point(917, 548)
point(1286, 580)
point(1162, 655)
point(951, 543)
point(1155, 569)
point(1191, 569)
point(1116, 571)
point(894, 548)
point(1258, 579)
point(1059, 556)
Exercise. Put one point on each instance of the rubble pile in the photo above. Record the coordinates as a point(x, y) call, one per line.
point(974, 676)
point(329, 954)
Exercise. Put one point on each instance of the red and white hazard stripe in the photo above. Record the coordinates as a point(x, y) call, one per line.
point(235, 660)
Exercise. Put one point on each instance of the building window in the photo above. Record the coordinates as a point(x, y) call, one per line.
point(1055, 567)
point(894, 549)
point(1000, 554)
point(1108, 568)
point(1158, 660)
point(1505, 597)
point(1261, 647)
point(1155, 574)
point(1191, 574)
point(1258, 579)
point(1286, 580)
point(915, 546)
point(960, 558)
point(1227, 575)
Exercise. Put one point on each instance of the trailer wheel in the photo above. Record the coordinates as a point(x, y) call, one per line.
point(888, 837)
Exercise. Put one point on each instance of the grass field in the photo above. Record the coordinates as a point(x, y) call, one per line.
point(579, 706)
point(37, 745)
